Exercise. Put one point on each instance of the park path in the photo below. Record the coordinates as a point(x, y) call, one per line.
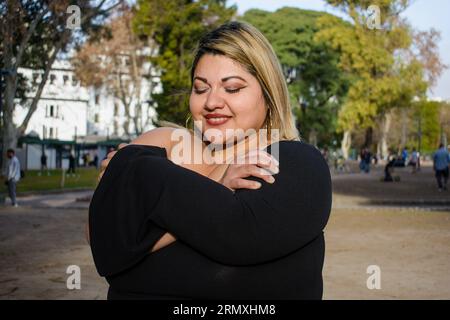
point(410, 243)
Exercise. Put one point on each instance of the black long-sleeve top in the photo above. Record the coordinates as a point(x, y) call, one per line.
point(249, 244)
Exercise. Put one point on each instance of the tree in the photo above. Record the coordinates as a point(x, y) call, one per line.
point(33, 34)
point(386, 72)
point(316, 84)
point(117, 60)
point(176, 26)
point(427, 112)
point(444, 122)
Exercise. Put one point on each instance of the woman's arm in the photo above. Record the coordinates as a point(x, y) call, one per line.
point(160, 137)
point(248, 226)
point(241, 228)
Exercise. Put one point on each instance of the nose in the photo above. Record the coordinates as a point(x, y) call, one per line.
point(214, 100)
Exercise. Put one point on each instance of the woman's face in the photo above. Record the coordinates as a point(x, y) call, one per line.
point(225, 96)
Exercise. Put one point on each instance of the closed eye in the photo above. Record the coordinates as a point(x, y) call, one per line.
point(234, 90)
point(200, 91)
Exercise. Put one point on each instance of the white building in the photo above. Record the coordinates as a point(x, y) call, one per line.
point(69, 112)
point(63, 108)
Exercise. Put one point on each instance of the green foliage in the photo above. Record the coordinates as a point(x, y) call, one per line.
point(384, 74)
point(428, 113)
point(316, 84)
point(176, 26)
point(85, 178)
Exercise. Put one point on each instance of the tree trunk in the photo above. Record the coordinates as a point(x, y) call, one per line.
point(346, 143)
point(9, 138)
point(369, 137)
point(312, 139)
point(443, 136)
point(404, 136)
point(384, 130)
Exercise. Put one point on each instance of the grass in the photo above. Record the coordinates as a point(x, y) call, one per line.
point(84, 178)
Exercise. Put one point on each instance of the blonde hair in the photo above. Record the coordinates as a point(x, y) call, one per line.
point(246, 45)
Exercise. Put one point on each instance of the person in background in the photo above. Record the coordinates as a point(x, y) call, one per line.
point(441, 160)
point(404, 155)
point(414, 160)
point(389, 168)
point(13, 175)
point(44, 164)
point(71, 164)
point(362, 163)
point(85, 160)
point(95, 162)
point(367, 159)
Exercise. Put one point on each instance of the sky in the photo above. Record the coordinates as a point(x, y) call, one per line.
point(422, 14)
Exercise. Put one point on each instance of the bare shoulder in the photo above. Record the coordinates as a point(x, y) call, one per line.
point(162, 137)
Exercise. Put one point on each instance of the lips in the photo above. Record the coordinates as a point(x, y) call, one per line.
point(215, 119)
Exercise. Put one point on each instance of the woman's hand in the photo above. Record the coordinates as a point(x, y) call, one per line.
point(256, 163)
point(108, 158)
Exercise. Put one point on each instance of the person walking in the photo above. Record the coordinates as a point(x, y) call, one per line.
point(404, 156)
point(71, 169)
point(367, 160)
point(44, 164)
point(413, 161)
point(362, 162)
point(441, 161)
point(13, 175)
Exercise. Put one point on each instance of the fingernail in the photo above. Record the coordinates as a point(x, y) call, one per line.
point(271, 179)
point(257, 185)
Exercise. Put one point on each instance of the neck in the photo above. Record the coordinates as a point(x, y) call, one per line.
point(224, 153)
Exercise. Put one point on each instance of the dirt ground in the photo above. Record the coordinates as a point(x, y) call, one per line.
point(411, 247)
point(410, 244)
point(36, 248)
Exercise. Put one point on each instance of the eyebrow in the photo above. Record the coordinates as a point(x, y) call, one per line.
point(223, 79)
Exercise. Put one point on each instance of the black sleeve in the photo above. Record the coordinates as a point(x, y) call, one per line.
point(120, 232)
point(248, 226)
point(145, 194)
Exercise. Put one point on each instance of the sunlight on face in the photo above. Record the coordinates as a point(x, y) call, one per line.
point(225, 98)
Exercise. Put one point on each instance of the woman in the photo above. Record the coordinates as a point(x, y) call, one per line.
point(162, 227)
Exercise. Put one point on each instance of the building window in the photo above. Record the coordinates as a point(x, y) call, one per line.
point(65, 79)
point(51, 111)
point(96, 118)
point(74, 81)
point(97, 98)
point(51, 133)
point(52, 78)
point(116, 109)
point(35, 78)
